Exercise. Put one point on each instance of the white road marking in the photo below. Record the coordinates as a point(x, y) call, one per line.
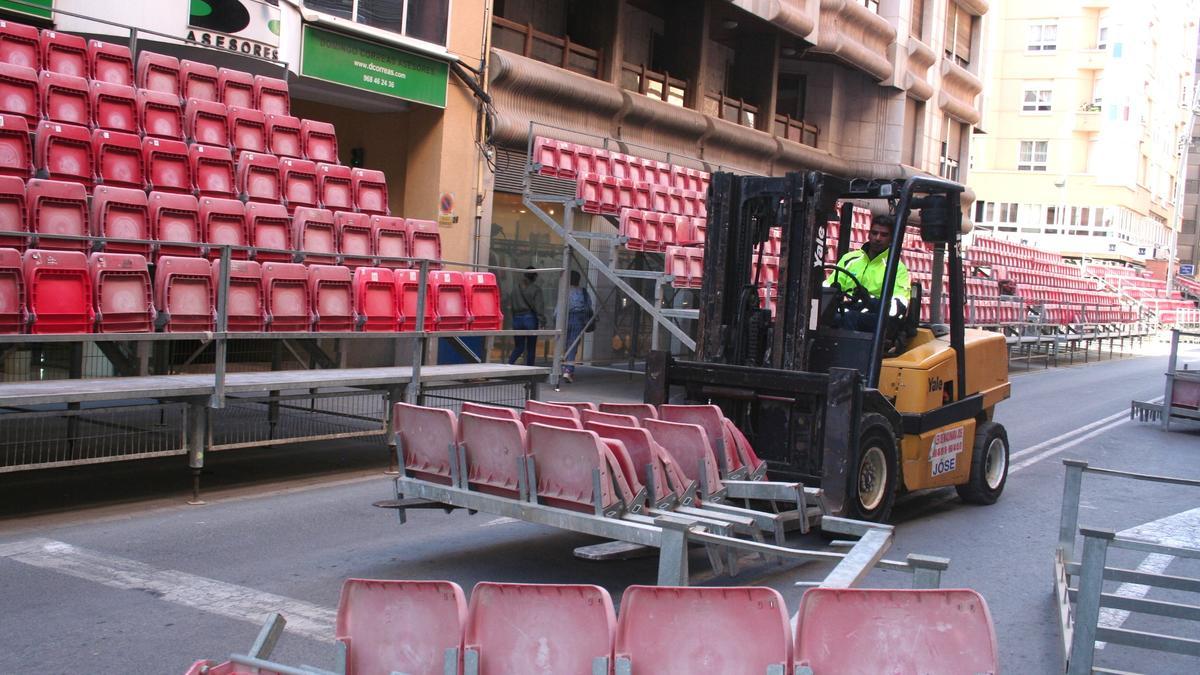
point(208, 595)
point(504, 520)
point(1109, 423)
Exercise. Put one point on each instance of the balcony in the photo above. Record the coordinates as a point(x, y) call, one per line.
point(1089, 121)
point(660, 86)
point(1093, 59)
point(959, 89)
point(557, 51)
point(720, 106)
point(797, 130)
point(857, 36)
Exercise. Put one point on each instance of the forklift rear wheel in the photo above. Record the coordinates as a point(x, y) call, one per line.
point(873, 483)
point(989, 465)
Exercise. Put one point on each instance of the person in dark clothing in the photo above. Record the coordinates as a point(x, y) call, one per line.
point(525, 306)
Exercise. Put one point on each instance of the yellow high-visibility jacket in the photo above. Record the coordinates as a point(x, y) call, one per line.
point(870, 272)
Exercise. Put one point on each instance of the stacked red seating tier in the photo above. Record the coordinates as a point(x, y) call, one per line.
point(285, 297)
point(158, 72)
point(244, 299)
point(19, 92)
point(122, 213)
point(270, 228)
point(57, 208)
point(198, 81)
point(235, 88)
point(12, 292)
point(123, 293)
point(223, 223)
point(20, 45)
point(175, 223)
point(184, 294)
point(58, 292)
point(375, 299)
point(332, 289)
point(16, 148)
point(119, 160)
point(160, 115)
point(114, 107)
point(12, 213)
point(65, 98)
point(110, 63)
point(64, 152)
point(354, 238)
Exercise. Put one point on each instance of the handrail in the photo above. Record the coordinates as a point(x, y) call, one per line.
point(743, 113)
point(563, 43)
point(787, 125)
point(671, 90)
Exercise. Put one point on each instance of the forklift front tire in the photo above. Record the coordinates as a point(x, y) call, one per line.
point(872, 489)
point(989, 465)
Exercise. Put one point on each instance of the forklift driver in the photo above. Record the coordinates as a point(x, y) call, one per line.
point(868, 265)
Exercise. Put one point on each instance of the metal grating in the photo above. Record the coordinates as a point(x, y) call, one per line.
point(56, 438)
point(260, 421)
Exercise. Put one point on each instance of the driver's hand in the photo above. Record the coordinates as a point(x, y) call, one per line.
point(897, 308)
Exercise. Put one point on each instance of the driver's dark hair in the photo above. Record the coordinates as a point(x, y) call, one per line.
point(886, 220)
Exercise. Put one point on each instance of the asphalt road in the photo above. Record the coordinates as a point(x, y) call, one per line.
point(107, 570)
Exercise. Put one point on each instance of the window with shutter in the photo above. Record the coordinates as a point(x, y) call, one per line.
point(916, 20)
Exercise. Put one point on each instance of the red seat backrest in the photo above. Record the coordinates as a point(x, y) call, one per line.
point(427, 438)
point(122, 213)
point(123, 293)
point(158, 72)
point(58, 291)
point(400, 626)
point(111, 63)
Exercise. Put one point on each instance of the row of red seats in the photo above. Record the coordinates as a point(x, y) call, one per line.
point(73, 153)
point(988, 244)
point(571, 160)
point(429, 628)
point(1033, 293)
point(685, 264)
point(163, 223)
point(49, 291)
point(653, 231)
point(25, 47)
point(1023, 277)
point(609, 195)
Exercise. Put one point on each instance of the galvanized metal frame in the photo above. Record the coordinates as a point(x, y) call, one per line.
point(1167, 409)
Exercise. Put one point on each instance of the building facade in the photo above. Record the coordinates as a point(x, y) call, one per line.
point(1087, 107)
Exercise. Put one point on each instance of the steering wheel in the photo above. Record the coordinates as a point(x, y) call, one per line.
point(857, 297)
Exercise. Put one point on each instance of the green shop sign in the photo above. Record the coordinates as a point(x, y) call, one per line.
point(340, 59)
point(41, 8)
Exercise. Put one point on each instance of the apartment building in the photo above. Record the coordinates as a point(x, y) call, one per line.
point(1086, 110)
point(1189, 240)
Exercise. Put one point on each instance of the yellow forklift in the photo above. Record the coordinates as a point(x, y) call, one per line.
point(864, 414)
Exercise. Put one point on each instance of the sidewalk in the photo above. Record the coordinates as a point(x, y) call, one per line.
point(598, 386)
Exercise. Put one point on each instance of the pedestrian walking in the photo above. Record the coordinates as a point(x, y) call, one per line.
point(525, 305)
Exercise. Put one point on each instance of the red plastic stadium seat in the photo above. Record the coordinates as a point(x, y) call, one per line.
point(119, 159)
point(122, 213)
point(20, 45)
point(314, 234)
point(712, 420)
point(223, 223)
point(283, 136)
point(20, 92)
point(160, 115)
point(331, 289)
point(299, 180)
point(270, 228)
point(64, 53)
point(175, 223)
point(184, 294)
point(335, 187)
point(574, 625)
point(247, 130)
point(448, 300)
point(407, 292)
point(258, 178)
point(205, 122)
point(426, 438)
point(424, 241)
point(12, 292)
point(110, 63)
point(354, 238)
point(12, 213)
point(318, 141)
point(492, 447)
point(114, 107)
point(16, 149)
point(389, 239)
point(198, 81)
point(58, 292)
point(370, 191)
point(285, 296)
point(483, 297)
point(57, 208)
point(167, 167)
point(65, 98)
point(642, 411)
point(271, 95)
point(244, 304)
point(158, 72)
point(491, 411)
point(749, 631)
point(122, 285)
point(235, 88)
point(212, 171)
point(64, 152)
point(400, 626)
point(552, 409)
point(375, 299)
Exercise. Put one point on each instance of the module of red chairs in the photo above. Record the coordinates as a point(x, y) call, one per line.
point(64, 152)
point(212, 171)
point(286, 298)
point(223, 223)
point(448, 300)
point(20, 44)
point(270, 228)
point(198, 81)
point(16, 149)
point(271, 95)
point(58, 292)
point(331, 289)
point(318, 140)
point(160, 115)
point(123, 293)
point(206, 122)
point(19, 92)
point(122, 213)
point(12, 292)
point(12, 213)
point(235, 88)
point(354, 238)
point(370, 191)
point(258, 178)
point(111, 63)
point(424, 241)
point(175, 223)
point(114, 107)
point(167, 166)
point(244, 300)
point(119, 160)
point(334, 185)
point(158, 72)
point(184, 294)
point(314, 234)
point(483, 298)
point(65, 98)
point(58, 208)
point(389, 239)
point(283, 136)
point(299, 183)
point(375, 299)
